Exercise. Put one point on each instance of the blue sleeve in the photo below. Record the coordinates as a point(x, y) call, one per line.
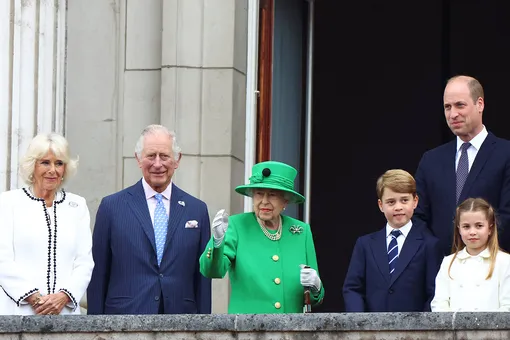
point(354, 290)
point(503, 210)
point(101, 252)
point(434, 260)
point(203, 284)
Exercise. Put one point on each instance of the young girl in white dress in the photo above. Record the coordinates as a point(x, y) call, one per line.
point(476, 276)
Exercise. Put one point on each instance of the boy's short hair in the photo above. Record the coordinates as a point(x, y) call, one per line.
point(397, 180)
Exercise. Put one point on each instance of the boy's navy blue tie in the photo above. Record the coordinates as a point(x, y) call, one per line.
point(393, 250)
point(462, 169)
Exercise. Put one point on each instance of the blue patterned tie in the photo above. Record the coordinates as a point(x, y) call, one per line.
point(393, 250)
point(462, 169)
point(160, 226)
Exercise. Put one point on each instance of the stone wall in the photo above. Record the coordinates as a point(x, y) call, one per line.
point(444, 326)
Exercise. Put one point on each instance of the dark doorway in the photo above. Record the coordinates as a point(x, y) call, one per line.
point(379, 73)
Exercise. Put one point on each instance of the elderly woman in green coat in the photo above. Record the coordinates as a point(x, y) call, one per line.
point(270, 257)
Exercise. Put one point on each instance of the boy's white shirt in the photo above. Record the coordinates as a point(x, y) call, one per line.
point(405, 229)
point(468, 289)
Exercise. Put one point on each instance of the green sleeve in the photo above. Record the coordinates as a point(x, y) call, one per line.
point(311, 258)
point(215, 262)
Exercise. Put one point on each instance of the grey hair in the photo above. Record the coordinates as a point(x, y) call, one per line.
point(155, 129)
point(38, 148)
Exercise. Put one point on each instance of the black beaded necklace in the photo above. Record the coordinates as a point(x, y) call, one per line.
point(50, 238)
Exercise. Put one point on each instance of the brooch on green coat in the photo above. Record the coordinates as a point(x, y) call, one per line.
point(295, 229)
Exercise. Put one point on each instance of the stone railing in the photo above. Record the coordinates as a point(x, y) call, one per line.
point(444, 326)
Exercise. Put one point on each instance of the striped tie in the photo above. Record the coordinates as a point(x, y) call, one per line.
point(393, 250)
point(462, 169)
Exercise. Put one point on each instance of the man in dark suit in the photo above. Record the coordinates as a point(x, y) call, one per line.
point(148, 238)
point(475, 164)
point(393, 269)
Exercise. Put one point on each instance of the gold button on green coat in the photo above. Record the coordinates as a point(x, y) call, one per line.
point(249, 258)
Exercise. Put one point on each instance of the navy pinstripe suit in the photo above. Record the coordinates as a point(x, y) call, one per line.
point(126, 277)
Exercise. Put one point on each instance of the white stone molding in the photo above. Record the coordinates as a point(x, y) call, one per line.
point(32, 77)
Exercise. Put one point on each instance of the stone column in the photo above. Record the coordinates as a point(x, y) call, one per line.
point(142, 78)
point(32, 77)
point(203, 75)
point(94, 94)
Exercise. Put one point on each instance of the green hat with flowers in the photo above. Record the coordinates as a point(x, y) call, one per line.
point(275, 176)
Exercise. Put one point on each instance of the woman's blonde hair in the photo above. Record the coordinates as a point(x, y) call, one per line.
point(38, 148)
point(476, 204)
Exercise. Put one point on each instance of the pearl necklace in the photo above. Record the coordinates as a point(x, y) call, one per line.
point(273, 237)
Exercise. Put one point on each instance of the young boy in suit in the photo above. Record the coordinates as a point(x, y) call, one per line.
point(394, 269)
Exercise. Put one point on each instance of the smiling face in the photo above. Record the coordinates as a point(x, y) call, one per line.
point(474, 230)
point(157, 161)
point(48, 173)
point(268, 204)
point(462, 113)
point(398, 208)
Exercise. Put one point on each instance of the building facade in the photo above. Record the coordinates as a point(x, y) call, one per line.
point(234, 79)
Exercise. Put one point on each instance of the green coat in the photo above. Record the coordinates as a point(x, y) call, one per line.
point(264, 274)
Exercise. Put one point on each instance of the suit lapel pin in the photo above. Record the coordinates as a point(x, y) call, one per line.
point(296, 229)
point(182, 203)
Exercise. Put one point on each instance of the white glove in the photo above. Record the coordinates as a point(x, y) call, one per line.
point(309, 278)
point(219, 227)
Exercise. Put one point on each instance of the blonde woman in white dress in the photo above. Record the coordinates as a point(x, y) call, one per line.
point(476, 277)
point(45, 238)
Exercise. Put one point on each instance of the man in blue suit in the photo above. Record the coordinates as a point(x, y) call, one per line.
point(475, 164)
point(148, 238)
point(393, 269)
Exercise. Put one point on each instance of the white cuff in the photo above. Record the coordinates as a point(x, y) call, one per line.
point(218, 242)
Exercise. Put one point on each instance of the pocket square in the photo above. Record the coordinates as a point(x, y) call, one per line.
point(191, 224)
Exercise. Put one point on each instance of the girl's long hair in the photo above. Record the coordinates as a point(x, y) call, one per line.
point(476, 204)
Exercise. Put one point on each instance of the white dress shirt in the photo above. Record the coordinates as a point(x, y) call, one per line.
point(401, 239)
point(472, 151)
point(152, 201)
point(467, 289)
